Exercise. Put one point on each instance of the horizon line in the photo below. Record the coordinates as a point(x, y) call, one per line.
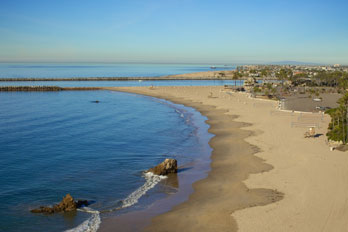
point(283, 62)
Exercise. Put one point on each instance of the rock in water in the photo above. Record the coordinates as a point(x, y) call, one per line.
point(43, 209)
point(66, 205)
point(166, 167)
point(81, 203)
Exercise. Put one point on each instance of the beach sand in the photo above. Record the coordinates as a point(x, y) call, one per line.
point(221, 74)
point(259, 154)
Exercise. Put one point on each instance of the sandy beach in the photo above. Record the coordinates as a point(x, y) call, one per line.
point(265, 175)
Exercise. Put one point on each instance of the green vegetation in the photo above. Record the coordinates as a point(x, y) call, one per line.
point(338, 128)
point(265, 72)
point(337, 79)
point(257, 89)
point(221, 74)
point(236, 76)
point(269, 90)
point(284, 74)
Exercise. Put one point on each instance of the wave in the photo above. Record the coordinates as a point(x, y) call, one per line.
point(133, 198)
point(151, 181)
point(181, 113)
point(92, 224)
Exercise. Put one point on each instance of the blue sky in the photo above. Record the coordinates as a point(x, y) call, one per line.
point(182, 31)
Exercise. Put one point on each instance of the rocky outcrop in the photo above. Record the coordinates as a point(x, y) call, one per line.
point(166, 167)
point(66, 205)
point(81, 203)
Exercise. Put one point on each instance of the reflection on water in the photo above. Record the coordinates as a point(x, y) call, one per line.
point(172, 181)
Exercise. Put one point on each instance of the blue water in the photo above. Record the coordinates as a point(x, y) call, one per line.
point(122, 83)
point(54, 143)
point(70, 70)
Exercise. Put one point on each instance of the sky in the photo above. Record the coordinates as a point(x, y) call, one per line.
point(169, 31)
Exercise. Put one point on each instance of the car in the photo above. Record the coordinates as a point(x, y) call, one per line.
point(322, 107)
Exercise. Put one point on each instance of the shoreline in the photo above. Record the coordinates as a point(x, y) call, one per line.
point(229, 148)
point(188, 173)
point(311, 177)
point(304, 191)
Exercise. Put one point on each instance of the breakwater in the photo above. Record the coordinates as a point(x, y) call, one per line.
point(166, 78)
point(42, 88)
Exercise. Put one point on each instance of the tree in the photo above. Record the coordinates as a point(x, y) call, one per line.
point(273, 91)
point(265, 72)
point(281, 75)
point(343, 101)
point(257, 89)
point(236, 76)
point(222, 74)
point(338, 128)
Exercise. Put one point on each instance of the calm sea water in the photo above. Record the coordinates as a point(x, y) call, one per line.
point(122, 83)
point(55, 70)
point(52, 70)
point(54, 143)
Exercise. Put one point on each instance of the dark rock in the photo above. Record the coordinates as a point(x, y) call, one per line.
point(43, 209)
point(66, 205)
point(166, 167)
point(81, 203)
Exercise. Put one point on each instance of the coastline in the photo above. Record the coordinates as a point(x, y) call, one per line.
point(219, 194)
point(311, 177)
point(265, 176)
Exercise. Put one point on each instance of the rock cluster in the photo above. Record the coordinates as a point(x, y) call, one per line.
point(166, 167)
point(66, 205)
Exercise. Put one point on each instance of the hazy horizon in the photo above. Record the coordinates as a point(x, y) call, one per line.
point(178, 32)
point(167, 63)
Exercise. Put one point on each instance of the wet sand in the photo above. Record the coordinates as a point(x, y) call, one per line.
point(214, 198)
point(242, 191)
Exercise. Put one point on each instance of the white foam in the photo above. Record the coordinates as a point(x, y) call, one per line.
point(88, 210)
point(180, 112)
point(151, 181)
point(91, 224)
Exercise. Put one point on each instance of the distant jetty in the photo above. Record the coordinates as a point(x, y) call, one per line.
point(207, 75)
point(114, 79)
point(42, 88)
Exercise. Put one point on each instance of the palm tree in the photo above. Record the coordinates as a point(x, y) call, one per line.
point(235, 77)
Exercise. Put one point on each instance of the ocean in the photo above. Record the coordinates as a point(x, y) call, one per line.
point(75, 70)
point(71, 70)
point(54, 143)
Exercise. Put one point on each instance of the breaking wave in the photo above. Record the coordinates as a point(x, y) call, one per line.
point(92, 224)
point(151, 181)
